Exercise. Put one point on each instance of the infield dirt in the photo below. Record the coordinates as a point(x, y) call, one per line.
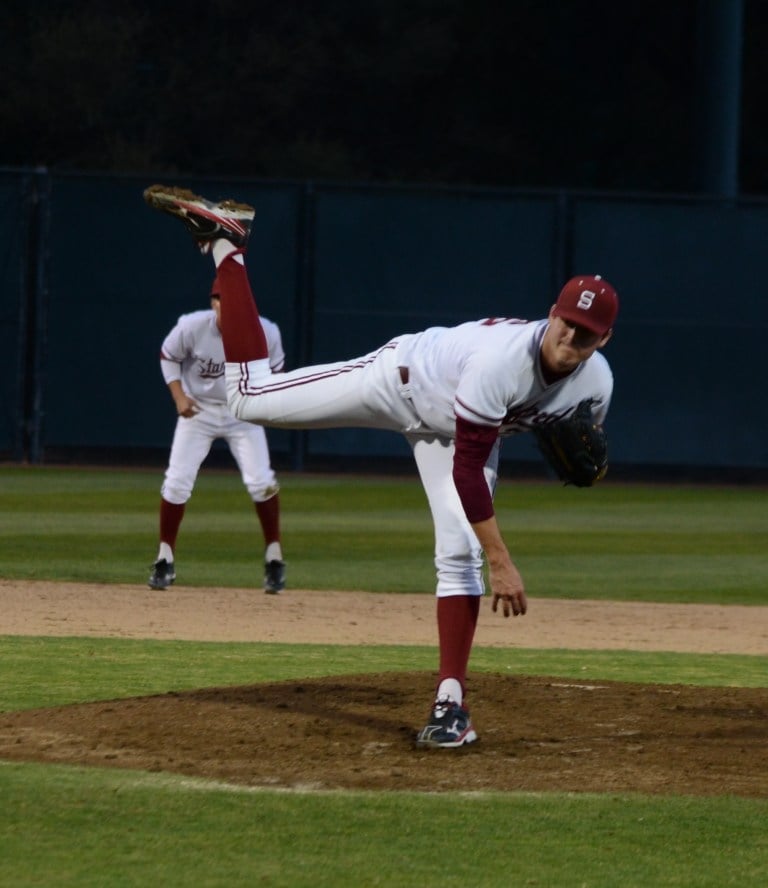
point(536, 733)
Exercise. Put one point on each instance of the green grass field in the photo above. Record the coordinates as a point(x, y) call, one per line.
point(621, 542)
point(70, 826)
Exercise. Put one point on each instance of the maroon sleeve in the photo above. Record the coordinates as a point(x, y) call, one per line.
point(473, 447)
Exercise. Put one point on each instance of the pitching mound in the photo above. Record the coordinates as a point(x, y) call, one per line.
point(357, 732)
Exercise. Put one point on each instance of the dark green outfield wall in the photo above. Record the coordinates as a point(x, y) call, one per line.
point(94, 280)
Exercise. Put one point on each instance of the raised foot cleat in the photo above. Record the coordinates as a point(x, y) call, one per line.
point(205, 220)
point(449, 727)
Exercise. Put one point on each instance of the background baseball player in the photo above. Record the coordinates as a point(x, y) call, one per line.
point(453, 392)
point(192, 364)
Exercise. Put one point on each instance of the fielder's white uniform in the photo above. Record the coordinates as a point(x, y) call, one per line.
point(193, 353)
point(486, 373)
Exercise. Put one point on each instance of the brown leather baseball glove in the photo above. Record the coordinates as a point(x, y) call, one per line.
point(575, 447)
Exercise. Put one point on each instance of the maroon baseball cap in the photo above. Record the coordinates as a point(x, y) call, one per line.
point(589, 301)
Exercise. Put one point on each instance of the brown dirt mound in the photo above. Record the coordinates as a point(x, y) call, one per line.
point(357, 732)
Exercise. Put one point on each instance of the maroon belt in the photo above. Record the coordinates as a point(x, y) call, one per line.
point(404, 376)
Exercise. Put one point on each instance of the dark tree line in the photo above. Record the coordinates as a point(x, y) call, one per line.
point(522, 93)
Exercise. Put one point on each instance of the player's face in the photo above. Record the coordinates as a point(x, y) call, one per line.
point(566, 344)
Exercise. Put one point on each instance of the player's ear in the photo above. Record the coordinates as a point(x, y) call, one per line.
point(605, 338)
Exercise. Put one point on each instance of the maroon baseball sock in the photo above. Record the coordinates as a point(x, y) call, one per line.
point(269, 517)
point(456, 621)
point(241, 330)
point(170, 521)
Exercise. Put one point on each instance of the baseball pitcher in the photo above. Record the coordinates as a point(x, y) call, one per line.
point(454, 393)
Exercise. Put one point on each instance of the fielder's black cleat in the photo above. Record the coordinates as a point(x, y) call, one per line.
point(206, 221)
point(449, 727)
point(162, 575)
point(274, 577)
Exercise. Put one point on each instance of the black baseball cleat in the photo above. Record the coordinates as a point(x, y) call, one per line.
point(274, 577)
point(206, 221)
point(449, 726)
point(162, 575)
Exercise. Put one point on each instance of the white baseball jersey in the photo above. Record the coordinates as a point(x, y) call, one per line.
point(194, 353)
point(488, 372)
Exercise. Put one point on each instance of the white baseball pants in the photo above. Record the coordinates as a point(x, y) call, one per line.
point(192, 443)
point(367, 392)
